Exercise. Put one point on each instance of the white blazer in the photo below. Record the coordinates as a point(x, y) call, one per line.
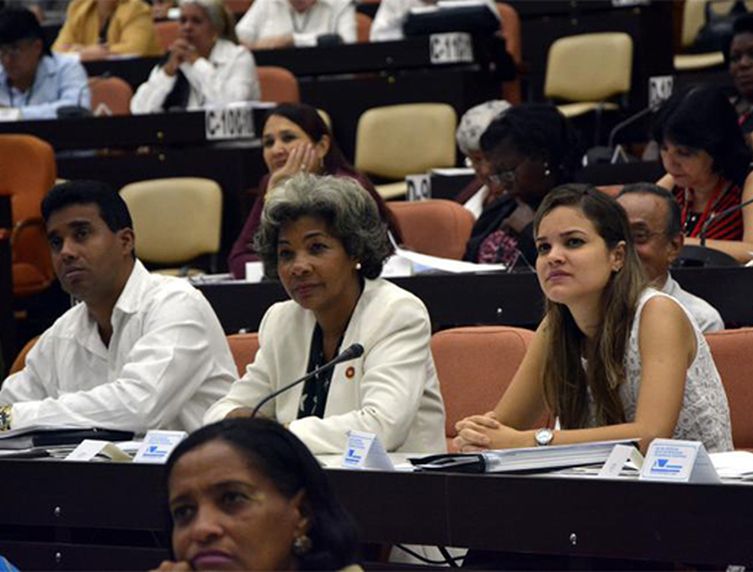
point(391, 390)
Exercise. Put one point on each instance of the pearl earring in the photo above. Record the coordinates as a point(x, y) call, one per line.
point(358, 266)
point(547, 171)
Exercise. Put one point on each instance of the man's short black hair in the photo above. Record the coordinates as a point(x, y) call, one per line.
point(112, 208)
point(20, 24)
point(673, 223)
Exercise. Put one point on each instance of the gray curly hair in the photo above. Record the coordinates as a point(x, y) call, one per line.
point(348, 210)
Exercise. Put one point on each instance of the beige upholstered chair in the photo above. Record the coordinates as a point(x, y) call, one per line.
point(398, 140)
point(587, 70)
point(175, 220)
point(437, 227)
point(474, 366)
point(693, 19)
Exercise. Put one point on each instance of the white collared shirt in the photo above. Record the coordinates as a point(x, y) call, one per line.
point(167, 361)
point(229, 75)
point(706, 316)
point(269, 18)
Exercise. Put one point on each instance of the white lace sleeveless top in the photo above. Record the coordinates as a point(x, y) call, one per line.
point(705, 414)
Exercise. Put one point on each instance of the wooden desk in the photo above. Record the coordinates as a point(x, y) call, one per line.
point(104, 516)
point(473, 299)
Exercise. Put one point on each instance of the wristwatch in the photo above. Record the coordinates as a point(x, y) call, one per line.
point(544, 437)
point(5, 411)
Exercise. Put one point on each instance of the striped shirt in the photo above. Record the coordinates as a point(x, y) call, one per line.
point(726, 195)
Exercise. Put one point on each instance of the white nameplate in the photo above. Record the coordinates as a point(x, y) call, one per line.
point(9, 114)
point(678, 461)
point(232, 122)
point(158, 445)
point(419, 187)
point(450, 48)
point(90, 448)
point(617, 459)
point(365, 451)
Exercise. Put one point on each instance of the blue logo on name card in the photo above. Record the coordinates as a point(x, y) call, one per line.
point(664, 466)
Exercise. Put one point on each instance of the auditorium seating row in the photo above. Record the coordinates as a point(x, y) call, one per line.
point(476, 364)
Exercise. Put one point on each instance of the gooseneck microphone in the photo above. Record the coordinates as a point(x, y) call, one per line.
point(724, 213)
point(349, 353)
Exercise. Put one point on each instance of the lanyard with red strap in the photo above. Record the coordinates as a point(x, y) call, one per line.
point(711, 204)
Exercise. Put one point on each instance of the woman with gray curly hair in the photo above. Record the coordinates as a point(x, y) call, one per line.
point(323, 238)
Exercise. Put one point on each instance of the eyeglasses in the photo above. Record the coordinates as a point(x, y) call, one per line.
point(14, 50)
point(505, 177)
point(643, 235)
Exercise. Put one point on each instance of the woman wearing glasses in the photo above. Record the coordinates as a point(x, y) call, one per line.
point(527, 152)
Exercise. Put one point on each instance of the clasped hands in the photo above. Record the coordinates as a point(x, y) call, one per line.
point(483, 432)
point(181, 51)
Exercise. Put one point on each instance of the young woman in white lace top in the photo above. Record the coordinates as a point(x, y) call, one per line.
point(612, 358)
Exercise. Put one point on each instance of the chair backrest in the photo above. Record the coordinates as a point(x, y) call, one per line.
point(27, 173)
point(244, 348)
point(238, 7)
point(176, 219)
point(278, 85)
point(436, 226)
point(363, 27)
point(398, 140)
point(113, 93)
point(167, 32)
point(731, 350)
point(475, 365)
point(20, 362)
point(589, 67)
point(510, 25)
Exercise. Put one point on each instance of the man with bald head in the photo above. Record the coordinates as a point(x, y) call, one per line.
point(654, 217)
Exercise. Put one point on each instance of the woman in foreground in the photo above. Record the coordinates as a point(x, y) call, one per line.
point(246, 494)
point(612, 359)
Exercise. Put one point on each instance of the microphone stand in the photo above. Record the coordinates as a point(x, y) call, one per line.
point(724, 213)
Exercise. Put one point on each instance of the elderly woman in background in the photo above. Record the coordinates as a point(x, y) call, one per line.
point(476, 195)
point(323, 238)
point(295, 139)
point(205, 65)
point(96, 29)
point(270, 24)
point(246, 494)
point(708, 169)
point(528, 151)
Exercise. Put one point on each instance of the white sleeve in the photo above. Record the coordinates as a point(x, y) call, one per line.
point(388, 22)
point(161, 373)
point(151, 94)
point(395, 370)
point(237, 81)
point(29, 383)
point(345, 23)
point(254, 386)
point(248, 29)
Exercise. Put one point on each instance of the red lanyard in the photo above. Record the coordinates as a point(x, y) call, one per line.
point(716, 195)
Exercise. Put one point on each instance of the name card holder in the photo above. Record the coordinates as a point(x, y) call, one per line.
point(158, 445)
point(673, 460)
point(365, 451)
point(235, 121)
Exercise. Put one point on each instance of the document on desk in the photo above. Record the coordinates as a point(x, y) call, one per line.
point(525, 459)
point(45, 436)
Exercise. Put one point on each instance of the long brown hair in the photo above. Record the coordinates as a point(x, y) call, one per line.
point(566, 383)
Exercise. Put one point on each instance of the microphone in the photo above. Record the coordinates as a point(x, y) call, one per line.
point(79, 110)
point(349, 353)
point(724, 213)
point(610, 153)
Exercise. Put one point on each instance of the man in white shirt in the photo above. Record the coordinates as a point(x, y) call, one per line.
point(654, 217)
point(140, 351)
point(270, 24)
point(392, 14)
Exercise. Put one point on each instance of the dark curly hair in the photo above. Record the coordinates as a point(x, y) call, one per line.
point(348, 210)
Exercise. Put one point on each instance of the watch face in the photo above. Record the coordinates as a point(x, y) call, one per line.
point(544, 436)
